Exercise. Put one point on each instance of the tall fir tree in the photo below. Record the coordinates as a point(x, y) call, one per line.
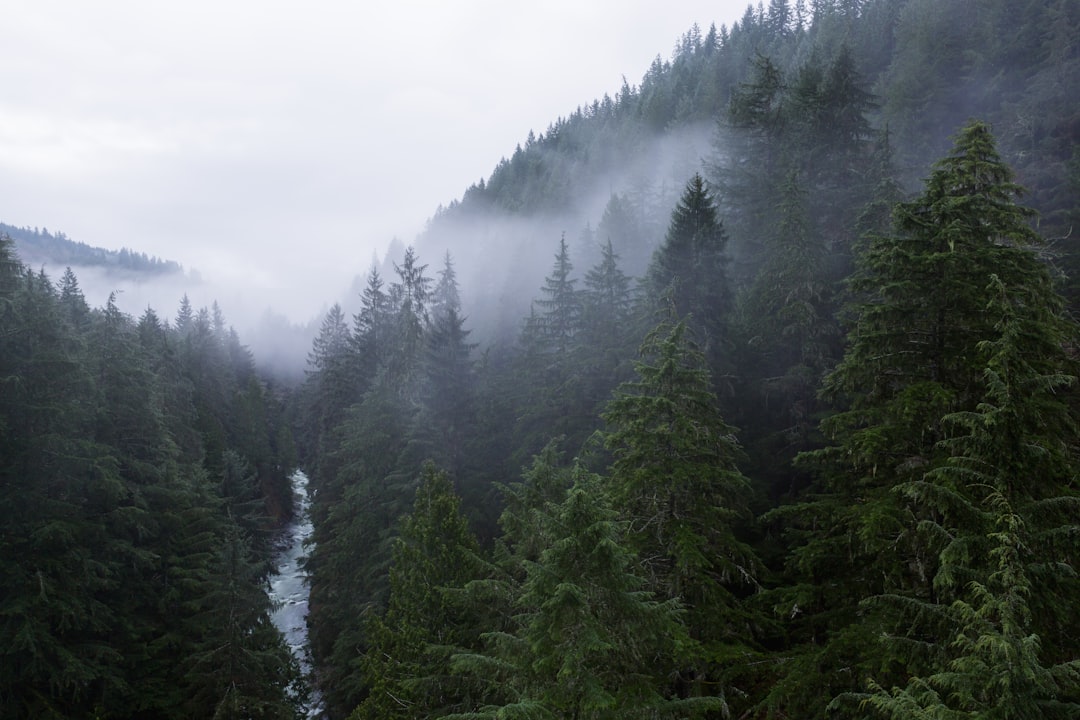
point(675, 479)
point(406, 664)
point(1004, 502)
point(550, 401)
point(912, 359)
point(690, 266)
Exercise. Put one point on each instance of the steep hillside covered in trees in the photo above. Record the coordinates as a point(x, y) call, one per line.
point(38, 247)
point(911, 71)
point(748, 392)
point(788, 428)
point(143, 466)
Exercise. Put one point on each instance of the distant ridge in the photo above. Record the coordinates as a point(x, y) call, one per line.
point(39, 246)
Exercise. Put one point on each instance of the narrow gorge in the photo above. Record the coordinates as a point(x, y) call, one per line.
point(289, 588)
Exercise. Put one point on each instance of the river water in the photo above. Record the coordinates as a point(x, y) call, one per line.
point(289, 586)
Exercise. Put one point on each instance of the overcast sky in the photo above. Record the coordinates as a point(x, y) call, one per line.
point(277, 145)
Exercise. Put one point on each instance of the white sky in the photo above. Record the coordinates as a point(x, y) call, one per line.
point(275, 145)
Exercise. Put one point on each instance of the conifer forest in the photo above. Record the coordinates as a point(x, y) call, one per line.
point(792, 433)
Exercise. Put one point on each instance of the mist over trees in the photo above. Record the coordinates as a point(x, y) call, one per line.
point(144, 466)
point(748, 392)
point(764, 395)
point(36, 245)
point(792, 87)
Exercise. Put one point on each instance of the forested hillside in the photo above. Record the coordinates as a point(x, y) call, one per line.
point(825, 74)
point(786, 427)
point(747, 392)
point(144, 465)
point(38, 247)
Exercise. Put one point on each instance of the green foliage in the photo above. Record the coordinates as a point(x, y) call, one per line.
point(937, 304)
point(446, 421)
point(808, 168)
point(39, 246)
point(994, 662)
point(551, 400)
point(401, 389)
point(690, 265)
point(589, 640)
point(360, 512)
point(556, 323)
point(599, 646)
point(110, 532)
point(406, 662)
point(675, 479)
point(232, 673)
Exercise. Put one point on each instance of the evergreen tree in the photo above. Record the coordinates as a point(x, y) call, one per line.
point(623, 229)
point(73, 301)
point(185, 316)
point(446, 296)
point(331, 388)
point(109, 526)
point(445, 421)
point(239, 671)
point(912, 359)
point(675, 479)
point(345, 586)
point(790, 339)
point(560, 307)
point(998, 504)
point(410, 297)
point(130, 419)
point(58, 491)
point(372, 330)
point(811, 123)
point(692, 263)
point(606, 301)
point(587, 639)
point(550, 400)
point(406, 664)
point(600, 645)
point(758, 117)
point(609, 331)
point(243, 502)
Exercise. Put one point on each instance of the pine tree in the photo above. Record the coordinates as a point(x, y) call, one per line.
point(1009, 650)
point(331, 388)
point(406, 663)
point(73, 301)
point(790, 339)
point(588, 640)
point(609, 331)
point(912, 359)
point(244, 667)
point(130, 419)
point(622, 228)
point(550, 398)
point(59, 491)
point(446, 296)
point(675, 479)
point(925, 293)
point(359, 514)
point(109, 524)
point(372, 330)
point(411, 298)
point(560, 307)
point(243, 502)
point(606, 300)
point(600, 645)
point(185, 316)
point(445, 421)
point(692, 263)
point(758, 109)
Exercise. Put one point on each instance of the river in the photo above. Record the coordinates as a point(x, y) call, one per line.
point(289, 586)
